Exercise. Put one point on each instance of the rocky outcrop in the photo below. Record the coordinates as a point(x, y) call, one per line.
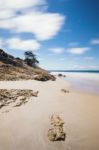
point(44, 77)
point(61, 75)
point(15, 97)
point(56, 133)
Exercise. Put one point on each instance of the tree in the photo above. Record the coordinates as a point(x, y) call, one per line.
point(31, 59)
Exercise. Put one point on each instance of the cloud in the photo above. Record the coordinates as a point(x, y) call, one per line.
point(43, 25)
point(80, 67)
point(19, 44)
point(4, 14)
point(89, 58)
point(57, 50)
point(78, 50)
point(20, 4)
point(95, 41)
point(26, 16)
point(93, 67)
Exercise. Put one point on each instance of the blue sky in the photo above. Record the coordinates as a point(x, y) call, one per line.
point(63, 33)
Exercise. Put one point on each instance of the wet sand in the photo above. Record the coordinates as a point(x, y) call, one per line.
point(26, 127)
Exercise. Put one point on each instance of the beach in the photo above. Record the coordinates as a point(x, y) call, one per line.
point(26, 127)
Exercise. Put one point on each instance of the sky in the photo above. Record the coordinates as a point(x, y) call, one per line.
point(64, 34)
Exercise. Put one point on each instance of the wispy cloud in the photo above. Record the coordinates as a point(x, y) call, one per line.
point(57, 50)
point(23, 16)
point(81, 67)
point(78, 50)
point(95, 41)
point(93, 67)
point(20, 4)
point(19, 44)
point(89, 58)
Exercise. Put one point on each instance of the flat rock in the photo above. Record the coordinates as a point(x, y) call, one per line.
point(16, 97)
point(56, 133)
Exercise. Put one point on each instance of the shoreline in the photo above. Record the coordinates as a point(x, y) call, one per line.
point(26, 127)
point(82, 82)
point(79, 75)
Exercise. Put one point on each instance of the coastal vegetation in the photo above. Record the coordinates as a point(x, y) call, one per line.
point(12, 68)
point(30, 59)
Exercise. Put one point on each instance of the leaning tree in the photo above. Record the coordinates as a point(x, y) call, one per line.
point(30, 59)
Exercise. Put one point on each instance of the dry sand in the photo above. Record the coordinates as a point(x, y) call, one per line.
point(26, 127)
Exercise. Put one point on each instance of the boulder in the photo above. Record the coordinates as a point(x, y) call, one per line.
point(44, 77)
point(61, 75)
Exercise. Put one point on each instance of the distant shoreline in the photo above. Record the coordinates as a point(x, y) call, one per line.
point(76, 71)
point(82, 81)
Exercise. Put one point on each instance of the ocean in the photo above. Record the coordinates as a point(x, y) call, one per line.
point(76, 71)
point(82, 80)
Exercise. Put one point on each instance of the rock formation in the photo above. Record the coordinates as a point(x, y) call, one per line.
point(15, 97)
point(45, 77)
point(56, 133)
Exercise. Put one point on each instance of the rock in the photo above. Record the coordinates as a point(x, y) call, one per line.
point(51, 134)
point(16, 97)
point(44, 77)
point(64, 90)
point(56, 133)
point(36, 94)
point(61, 75)
point(64, 76)
point(56, 120)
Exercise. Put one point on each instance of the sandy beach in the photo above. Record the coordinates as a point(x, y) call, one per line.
point(26, 127)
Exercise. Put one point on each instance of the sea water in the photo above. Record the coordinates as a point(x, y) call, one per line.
point(86, 81)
